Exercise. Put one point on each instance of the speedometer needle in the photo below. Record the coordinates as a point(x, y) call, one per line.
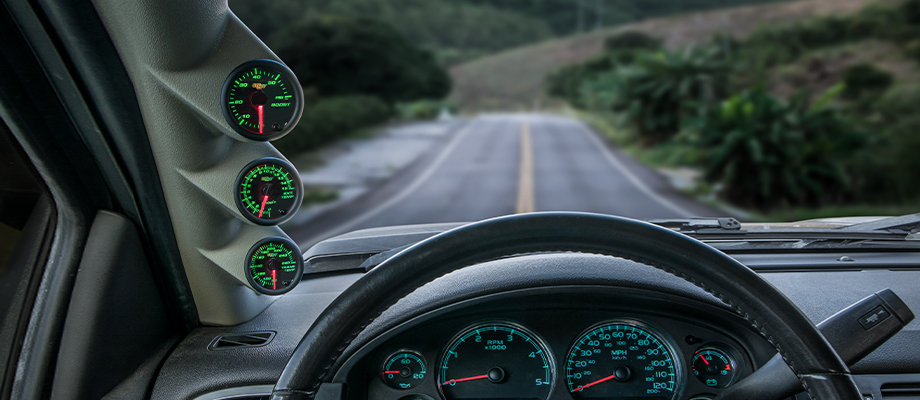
point(262, 208)
point(274, 279)
point(472, 378)
point(582, 387)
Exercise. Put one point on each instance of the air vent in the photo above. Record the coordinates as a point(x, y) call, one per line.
point(901, 391)
point(241, 340)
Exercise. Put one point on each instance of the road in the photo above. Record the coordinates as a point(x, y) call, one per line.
point(503, 164)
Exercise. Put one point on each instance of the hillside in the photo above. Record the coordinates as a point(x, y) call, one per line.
point(514, 79)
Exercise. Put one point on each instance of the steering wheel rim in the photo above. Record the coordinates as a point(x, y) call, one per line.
point(775, 317)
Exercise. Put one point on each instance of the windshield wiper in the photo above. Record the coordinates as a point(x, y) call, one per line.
point(726, 233)
point(700, 225)
point(907, 225)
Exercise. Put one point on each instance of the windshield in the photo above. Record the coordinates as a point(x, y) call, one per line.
point(427, 111)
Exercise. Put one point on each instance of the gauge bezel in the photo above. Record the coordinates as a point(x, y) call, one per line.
point(298, 272)
point(538, 341)
point(298, 198)
point(289, 77)
point(726, 352)
point(666, 340)
point(386, 360)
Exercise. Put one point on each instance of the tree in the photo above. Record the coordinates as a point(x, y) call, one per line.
point(336, 55)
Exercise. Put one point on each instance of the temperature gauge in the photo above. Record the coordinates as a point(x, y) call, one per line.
point(404, 370)
point(274, 266)
point(262, 100)
point(268, 191)
point(713, 367)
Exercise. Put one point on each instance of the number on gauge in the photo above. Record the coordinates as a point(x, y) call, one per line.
point(268, 191)
point(496, 360)
point(274, 266)
point(621, 360)
point(262, 100)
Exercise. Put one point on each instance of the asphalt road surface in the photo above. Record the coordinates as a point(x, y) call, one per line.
point(503, 164)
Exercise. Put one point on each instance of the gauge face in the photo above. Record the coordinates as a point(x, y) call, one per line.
point(404, 370)
point(268, 191)
point(495, 360)
point(262, 100)
point(274, 266)
point(621, 360)
point(713, 367)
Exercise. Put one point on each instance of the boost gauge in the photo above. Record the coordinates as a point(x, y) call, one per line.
point(268, 191)
point(274, 266)
point(262, 100)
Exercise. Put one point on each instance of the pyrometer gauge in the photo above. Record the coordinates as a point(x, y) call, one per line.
point(274, 266)
point(262, 100)
point(268, 191)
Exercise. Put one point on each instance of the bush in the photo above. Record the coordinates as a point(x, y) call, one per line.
point(664, 91)
point(423, 109)
point(340, 56)
point(333, 118)
point(887, 165)
point(768, 153)
point(632, 40)
point(865, 79)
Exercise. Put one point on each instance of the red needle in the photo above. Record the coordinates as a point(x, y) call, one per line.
point(582, 387)
point(704, 359)
point(390, 372)
point(274, 279)
point(260, 117)
point(261, 209)
point(472, 378)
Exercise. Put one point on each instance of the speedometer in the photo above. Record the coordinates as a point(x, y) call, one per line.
point(621, 360)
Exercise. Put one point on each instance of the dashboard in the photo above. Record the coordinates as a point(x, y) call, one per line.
point(567, 342)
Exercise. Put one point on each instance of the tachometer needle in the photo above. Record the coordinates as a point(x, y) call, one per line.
point(472, 378)
point(260, 117)
point(704, 359)
point(274, 279)
point(583, 387)
point(262, 208)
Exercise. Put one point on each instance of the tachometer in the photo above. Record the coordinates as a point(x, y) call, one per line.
point(495, 361)
point(268, 191)
point(262, 100)
point(621, 360)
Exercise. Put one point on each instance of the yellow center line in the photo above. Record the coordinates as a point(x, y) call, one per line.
point(525, 198)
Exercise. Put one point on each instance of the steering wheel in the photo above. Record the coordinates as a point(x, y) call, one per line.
point(822, 374)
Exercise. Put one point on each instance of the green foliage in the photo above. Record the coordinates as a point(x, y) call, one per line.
point(662, 90)
point(460, 30)
point(888, 163)
point(333, 118)
point(423, 109)
point(768, 153)
point(632, 40)
point(863, 79)
point(340, 55)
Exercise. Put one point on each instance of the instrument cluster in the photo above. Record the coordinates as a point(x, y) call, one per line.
point(562, 353)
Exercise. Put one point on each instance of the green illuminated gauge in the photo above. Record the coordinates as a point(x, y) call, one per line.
point(495, 361)
point(274, 266)
point(268, 191)
point(622, 360)
point(404, 370)
point(262, 100)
